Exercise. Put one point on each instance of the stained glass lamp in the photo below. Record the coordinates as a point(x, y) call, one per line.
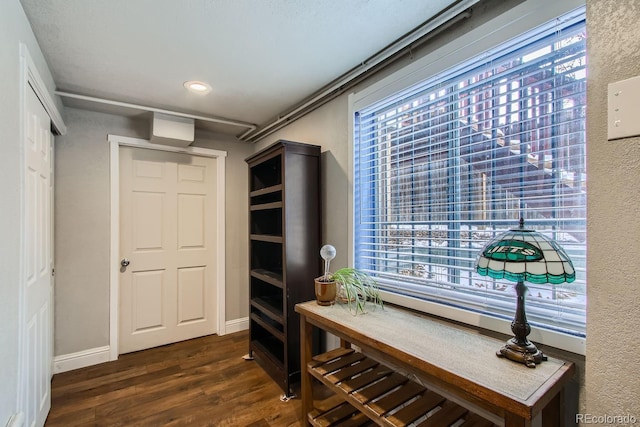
point(522, 255)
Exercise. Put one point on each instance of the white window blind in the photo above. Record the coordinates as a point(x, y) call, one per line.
point(445, 165)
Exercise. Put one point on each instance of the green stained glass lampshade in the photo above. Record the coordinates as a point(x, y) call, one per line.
point(525, 255)
point(522, 255)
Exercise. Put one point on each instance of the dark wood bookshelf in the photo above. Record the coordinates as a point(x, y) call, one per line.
point(284, 245)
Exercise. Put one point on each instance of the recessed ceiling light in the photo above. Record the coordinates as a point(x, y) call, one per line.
point(197, 87)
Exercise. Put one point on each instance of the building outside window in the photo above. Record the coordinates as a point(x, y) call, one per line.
point(444, 165)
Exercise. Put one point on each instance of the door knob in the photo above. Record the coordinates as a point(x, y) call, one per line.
point(125, 262)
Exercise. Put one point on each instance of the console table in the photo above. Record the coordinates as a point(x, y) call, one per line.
point(410, 368)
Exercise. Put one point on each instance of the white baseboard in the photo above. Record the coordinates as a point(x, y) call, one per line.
point(81, 359)
point(237, 325)
point(94, 356)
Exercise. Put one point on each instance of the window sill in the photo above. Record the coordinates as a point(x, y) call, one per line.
point(545, 338)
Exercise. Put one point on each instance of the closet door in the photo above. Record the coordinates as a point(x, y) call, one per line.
point(38, 260)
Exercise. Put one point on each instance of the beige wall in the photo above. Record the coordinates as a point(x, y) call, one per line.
point(14, 29)
point(327, 127)
point(609, 385)
point(613, 220)
point(82, 226)
point(608, 382)
point(237, 221)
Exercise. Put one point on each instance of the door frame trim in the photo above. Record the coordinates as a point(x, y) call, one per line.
point(115, 142)
point(30, 79)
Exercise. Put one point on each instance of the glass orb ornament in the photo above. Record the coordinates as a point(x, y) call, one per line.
point(327, 252)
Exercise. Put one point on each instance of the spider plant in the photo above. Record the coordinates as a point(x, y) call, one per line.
point(357, 289)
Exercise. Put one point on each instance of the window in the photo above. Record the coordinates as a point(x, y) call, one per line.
point(446, 164)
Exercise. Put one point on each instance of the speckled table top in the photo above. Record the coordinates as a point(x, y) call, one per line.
point(444, 346)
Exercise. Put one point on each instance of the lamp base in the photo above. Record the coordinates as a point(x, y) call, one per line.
point(526, 353)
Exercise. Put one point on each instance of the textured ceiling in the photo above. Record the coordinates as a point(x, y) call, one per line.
point(260, 56)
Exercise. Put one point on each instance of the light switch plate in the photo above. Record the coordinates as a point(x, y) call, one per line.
point(624, 108)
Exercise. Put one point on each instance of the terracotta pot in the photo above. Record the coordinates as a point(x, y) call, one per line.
point(325, 291)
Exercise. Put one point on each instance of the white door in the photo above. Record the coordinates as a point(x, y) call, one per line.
point(38, 261)
point(167, 245)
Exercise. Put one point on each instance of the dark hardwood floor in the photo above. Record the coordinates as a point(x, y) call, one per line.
point(200, 382)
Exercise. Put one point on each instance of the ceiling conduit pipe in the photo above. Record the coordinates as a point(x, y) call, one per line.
point(383, 58)
point(251, 126)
